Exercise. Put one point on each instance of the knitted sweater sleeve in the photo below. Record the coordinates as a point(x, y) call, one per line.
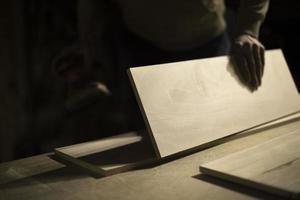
point(251, 15)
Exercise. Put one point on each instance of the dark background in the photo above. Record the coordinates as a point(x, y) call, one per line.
point(32, 97)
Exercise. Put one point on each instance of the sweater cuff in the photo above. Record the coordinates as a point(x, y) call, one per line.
point(250, 16)
point(250, 27)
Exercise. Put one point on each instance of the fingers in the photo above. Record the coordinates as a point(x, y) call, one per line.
point(242, 72)
point(248, 55)
point(251, 64)
point(262, 57)
point(258, 63)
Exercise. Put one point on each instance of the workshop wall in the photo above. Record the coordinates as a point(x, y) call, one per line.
point(8, 102)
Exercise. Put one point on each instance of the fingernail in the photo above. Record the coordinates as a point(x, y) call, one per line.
point(255, 87)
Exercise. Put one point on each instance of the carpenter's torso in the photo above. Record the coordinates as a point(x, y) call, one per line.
point(174, 24)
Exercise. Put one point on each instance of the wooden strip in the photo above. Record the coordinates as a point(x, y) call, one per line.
point(92, 147)
point(191, 103)
point(109, 155)
point(273, 166)
point(94, 170)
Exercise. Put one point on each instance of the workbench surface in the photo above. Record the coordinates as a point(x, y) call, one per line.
point(41, 177)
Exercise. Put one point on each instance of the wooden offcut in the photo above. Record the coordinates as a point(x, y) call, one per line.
point(191, 103)
point(273, 166)
point(109, 155)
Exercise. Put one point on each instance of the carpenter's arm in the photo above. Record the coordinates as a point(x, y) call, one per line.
point(247, 52)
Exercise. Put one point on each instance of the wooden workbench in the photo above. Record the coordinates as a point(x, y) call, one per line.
point(41, 177)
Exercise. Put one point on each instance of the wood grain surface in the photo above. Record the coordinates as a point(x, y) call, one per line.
point(110, 155)
point(96, 146)
point(273, 166)
point(191, 103)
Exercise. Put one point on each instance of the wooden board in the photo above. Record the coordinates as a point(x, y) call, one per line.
point(88, 148)
point(273, 166)
point(110, 155)
point(191, 103)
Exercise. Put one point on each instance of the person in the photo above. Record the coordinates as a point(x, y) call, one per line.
point(117, 34)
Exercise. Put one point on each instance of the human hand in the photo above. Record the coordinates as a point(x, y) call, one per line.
point(82, 86)
point(247, 57)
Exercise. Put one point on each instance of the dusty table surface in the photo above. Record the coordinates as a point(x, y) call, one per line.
point(41, 177)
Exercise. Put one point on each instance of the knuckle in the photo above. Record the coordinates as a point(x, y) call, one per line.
point(238, 44)
point(247, 47)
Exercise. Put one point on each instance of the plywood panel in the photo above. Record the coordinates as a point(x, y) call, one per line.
point(88, 148)
point(109, 155)
point(273, 166)
point(187, 104)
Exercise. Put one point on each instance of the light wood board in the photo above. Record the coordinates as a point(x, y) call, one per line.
point(273, 166)
point(191, 103)
point(96, 146)
point(110, 155)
